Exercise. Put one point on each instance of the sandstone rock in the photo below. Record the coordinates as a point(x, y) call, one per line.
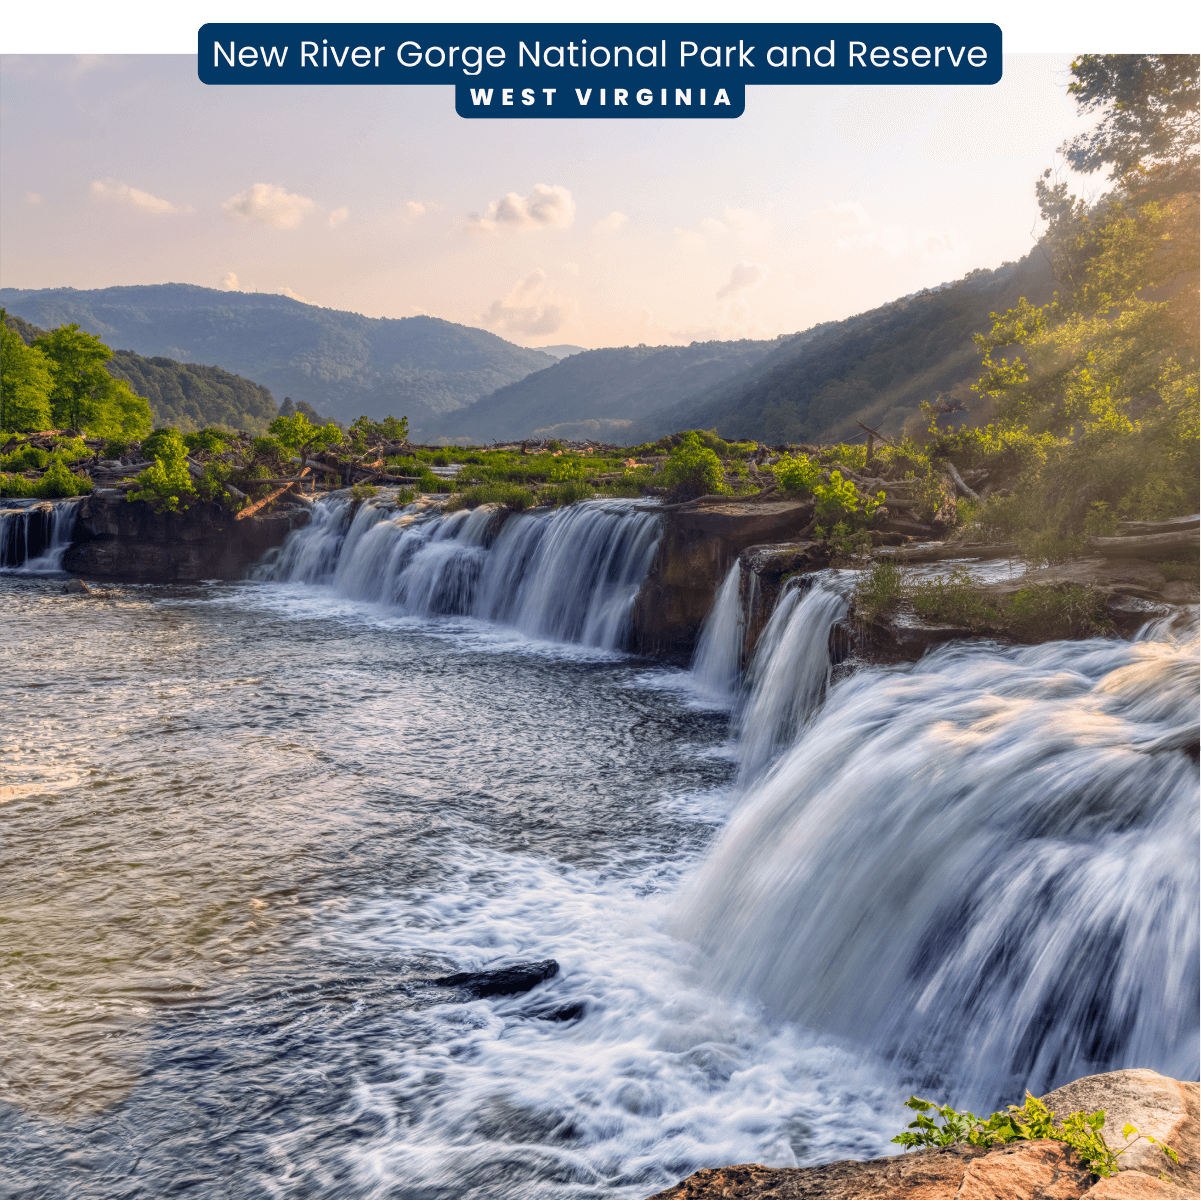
point(1038, 1170)
point(76, 587)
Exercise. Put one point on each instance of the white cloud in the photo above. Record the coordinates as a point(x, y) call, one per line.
point(415, 209)
point(338, 216)
point(230, 283)
point(529, 308)
point(610, 224)
point(122, 193)
point(742, 277)
point(33, 198)
point(267, 204)
point(292, 295)
point(544, 208)
point(699, 238)
point(748, 226)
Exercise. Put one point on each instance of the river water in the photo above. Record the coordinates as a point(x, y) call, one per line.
point(246, 824)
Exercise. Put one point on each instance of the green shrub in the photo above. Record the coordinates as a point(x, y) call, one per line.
point(167, 484)
point(837, 499)
point(211, 440)
point(693, 468)
point(27, 458)
point(879, 590)
point(1180, 569)
point(18, 486)
point(270, 447)
point(854, 457)
point(115, 448)
point(211, 485)
point(1021, 1123)
point(363, 491)
point(844, 542)
point(952, 600)
point(570, 492)
point(1044, 611)
point(59, 482)
point(152, 441)
point(797, 476)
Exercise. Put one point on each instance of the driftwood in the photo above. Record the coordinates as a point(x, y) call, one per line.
point(1152, 545)
point(1168, 525)
point(941, 551)
point(963, 487)
point(874, 432)
point(251, 509)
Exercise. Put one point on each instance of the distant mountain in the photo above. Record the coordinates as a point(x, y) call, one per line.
point(875, 367)
point(562, 351)
point(186, 395)
point(600, 393)
point(338, 362)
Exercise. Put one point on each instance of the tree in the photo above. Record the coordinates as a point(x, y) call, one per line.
point(25, 383)
point(84, 395)
point(1148, 130)
point(287, 408)
point(298, 434)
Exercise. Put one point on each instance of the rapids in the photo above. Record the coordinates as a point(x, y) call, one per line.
point(246, 824)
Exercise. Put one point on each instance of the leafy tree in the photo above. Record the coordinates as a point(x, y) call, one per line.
point(297, 434)
point(25, 383)
point(168, 483)
point(287, 408)
point(84, 395)
point(693, 468)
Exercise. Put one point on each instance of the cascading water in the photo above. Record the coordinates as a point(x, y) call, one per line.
point(34, 537)
point(717, 661)
point(569, 574)
point(984, 865)
point(790, 670)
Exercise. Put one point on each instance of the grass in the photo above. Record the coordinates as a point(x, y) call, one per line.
point(1039, 613)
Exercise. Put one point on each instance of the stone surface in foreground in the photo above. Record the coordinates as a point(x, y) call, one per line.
point(1041, 1170)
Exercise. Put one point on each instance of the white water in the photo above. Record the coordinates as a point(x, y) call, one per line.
point(568, 575)
point(983, 865)
point(717, 661)
point(34, 539)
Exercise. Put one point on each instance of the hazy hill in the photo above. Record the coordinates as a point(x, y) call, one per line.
point(877, 366)
point(600, 393)
point(339, 362)
point(186, 395)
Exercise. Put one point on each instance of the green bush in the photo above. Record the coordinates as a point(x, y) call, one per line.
point(115, 448)
point(693, 468)
point(879, 590)
point(837, 499)
point(27, 458)
point(168, 483)
point(152, 441)
point(18, 486)
point(1045, 611)
point(211, 440)
point(508, 494)
point(952, 600)
point(1022, 1123)
point(797, 476)
point(57, 483)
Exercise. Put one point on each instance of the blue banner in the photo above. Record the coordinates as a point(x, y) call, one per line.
point(600, 71)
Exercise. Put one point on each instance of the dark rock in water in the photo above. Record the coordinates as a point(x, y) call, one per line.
point(565, 1012)
point(506, 981)
point(77, 587)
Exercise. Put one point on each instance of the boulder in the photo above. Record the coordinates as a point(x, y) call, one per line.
point(506, 981)
point(1037, 1170)
point(76, 587)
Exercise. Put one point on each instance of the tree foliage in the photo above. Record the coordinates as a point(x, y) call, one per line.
point(25, 383)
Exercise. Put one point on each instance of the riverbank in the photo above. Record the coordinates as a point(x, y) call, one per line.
point(1165, 1109)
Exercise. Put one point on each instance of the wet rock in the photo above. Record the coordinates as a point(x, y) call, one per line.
point(76, 587)
point(1037, 1170)
point(505, 981)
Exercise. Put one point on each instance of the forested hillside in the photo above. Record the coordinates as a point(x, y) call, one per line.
point(186, 395)
point(600, 393)
point(341, 363)
point(876, 367)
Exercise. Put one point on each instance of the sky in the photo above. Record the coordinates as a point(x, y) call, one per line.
point(816, 204)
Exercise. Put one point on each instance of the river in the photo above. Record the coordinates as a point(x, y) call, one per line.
point(247, 824)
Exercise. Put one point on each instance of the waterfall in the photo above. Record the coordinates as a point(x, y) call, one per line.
point(717, 660)
point(790, 669)
point(34, 537)
point(568, 574)
point(984, 865)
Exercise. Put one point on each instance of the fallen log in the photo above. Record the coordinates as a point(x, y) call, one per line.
point(1168, 525)
point(963, 487)
point(251, 509)
point(1152, 545)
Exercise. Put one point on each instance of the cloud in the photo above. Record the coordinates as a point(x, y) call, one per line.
point(33, 198)
point(338, 216)
point(230, 283)
point(122, 193)
point(610, 224)
point(415, 209)
point(742, 277)
point(529, 308)
point(291, 294)
point(267, 204)
point(544, 208)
